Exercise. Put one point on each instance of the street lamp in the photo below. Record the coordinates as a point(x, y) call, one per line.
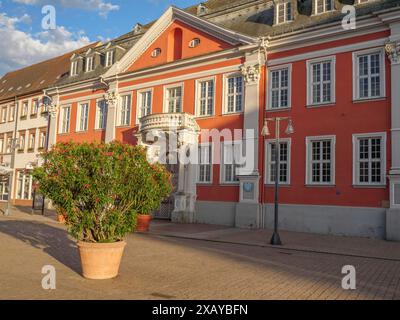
point(276, 240)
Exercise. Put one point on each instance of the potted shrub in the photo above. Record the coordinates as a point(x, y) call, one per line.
point(101, 188)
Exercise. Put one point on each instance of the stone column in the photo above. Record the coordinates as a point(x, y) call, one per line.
point(393, 214)
point(248, 210)
point(112, 99)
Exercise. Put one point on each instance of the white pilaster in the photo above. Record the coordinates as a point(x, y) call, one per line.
point(112, 99)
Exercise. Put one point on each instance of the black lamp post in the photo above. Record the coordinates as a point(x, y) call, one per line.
point(276, 240)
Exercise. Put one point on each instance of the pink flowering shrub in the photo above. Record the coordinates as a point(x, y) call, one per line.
point(102, 187)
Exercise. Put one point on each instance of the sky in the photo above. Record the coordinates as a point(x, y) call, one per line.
point(24, 40)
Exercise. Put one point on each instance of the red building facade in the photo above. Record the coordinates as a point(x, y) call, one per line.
point(222, 67)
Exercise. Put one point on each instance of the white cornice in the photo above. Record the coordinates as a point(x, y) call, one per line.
point(162, 24)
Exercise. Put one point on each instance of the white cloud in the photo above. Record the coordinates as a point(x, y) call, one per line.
point(93, 5)
point(19, 49)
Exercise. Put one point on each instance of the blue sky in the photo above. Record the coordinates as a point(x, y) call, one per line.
point(78, 22)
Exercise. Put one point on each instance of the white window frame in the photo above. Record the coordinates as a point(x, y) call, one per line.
point(269, 87)
point(4, 111)
point(166, 98)
point(222, 162)
point(198, 96)
point(22, 141)
point(33, 103)
point(356, 89)
point(110, 57)
point(2, 144)
point(11, 113)
point(26, 178)
point(89, 65)
point(325, 4)
point(79, 117)
point(356, 138)
point(285, 16)
point(268, 143)
point(62, 120)
point(310, 63)
point(225, 99)
point(139, 101)
point(309, 141)
point(104, 124)
point(42, 139)
point(74, 68)
point(24, 112)
point(32, 141)
point(205, 145)
point(122, 108)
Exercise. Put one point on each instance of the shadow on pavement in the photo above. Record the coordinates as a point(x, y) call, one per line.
point(53, 241)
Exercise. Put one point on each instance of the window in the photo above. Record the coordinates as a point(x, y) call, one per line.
point(144, 103)
point(89, 64)
point(32, 138)
point(125, 114)
point(65, 117)
point(205, 98)
point(234, 94)
point(42, 140)
point(321, 81)
point(11, 113)
point(110, 58)
point(101, 114)
point(320, 160)
point(369, 158)
point(279, 88)
point(204, 174)
point(231, 153)
point(174, 99)
point(24, 111)
point(24, 186)
point(284, 161)
point(369, 74)
point(1, 145)
point(21, 141)
point(83, 117)
point(4, 114)
point(156, 52)
point(35, 107)
point(194, 43)
point(283, 12)
point(9, 143)
point(322, 6)
point(74, 68)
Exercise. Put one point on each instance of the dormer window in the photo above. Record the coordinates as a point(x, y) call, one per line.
point(322, 6)
point(110, 58)
point(156, 52)
point(74, 68)
point(137, 28)
point(284, 12)
point(201, 9)
point(89, 64)
point(194, 43)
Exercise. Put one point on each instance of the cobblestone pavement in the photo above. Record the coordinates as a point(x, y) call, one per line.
point(168, 267)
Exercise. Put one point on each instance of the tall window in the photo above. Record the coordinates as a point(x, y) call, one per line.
point(174, 99)
point(145, 101)
point(9, 143)
point(231, 155)
point(89, 64)
point(74, 68)
point(322, 6)
point(65, 117)
point(101, 114)
point(284, 12)
point(25, 108)
point(205, 164)
point(321, 160)
point(4, 114)
point(21, 141)
point(205, 98)
point(284, 162)
point(321, 79)
point(1, 145)
point(279, 88)
point(35, 107)
point(42, 140)
point(369, 158)
point(11, 113)
point(369, 70)
point(24, 186)
point(234, 94)
point(125, 114)
point(83, 117)
point(31, 144)
point(110, 58)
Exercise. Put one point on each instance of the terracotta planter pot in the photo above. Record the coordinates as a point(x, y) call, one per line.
point(143, 223)
point(61, 218)
point(100, 260)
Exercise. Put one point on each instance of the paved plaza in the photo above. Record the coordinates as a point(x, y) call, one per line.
point(197, 262)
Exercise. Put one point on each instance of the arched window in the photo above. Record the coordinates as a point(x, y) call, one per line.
point(175, 44)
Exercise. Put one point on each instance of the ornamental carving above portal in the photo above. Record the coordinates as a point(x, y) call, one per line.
point(251, 74)
point(393, 51)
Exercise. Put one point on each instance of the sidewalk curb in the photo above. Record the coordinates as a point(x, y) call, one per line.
point(283, 247)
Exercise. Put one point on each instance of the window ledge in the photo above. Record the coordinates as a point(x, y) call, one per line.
point(272, 185)
point(370, 186)
point(204, 184)
point(279, 109)
point(361, 100)
point(321, 105)
point(205, 117)
point(232, 113)
point(227, 184)
point(320, 185)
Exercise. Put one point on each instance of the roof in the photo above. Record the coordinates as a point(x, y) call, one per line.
point(253, 18)
point(36, 77)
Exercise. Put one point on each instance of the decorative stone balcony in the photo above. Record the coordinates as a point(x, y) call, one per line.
point(168, 121)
